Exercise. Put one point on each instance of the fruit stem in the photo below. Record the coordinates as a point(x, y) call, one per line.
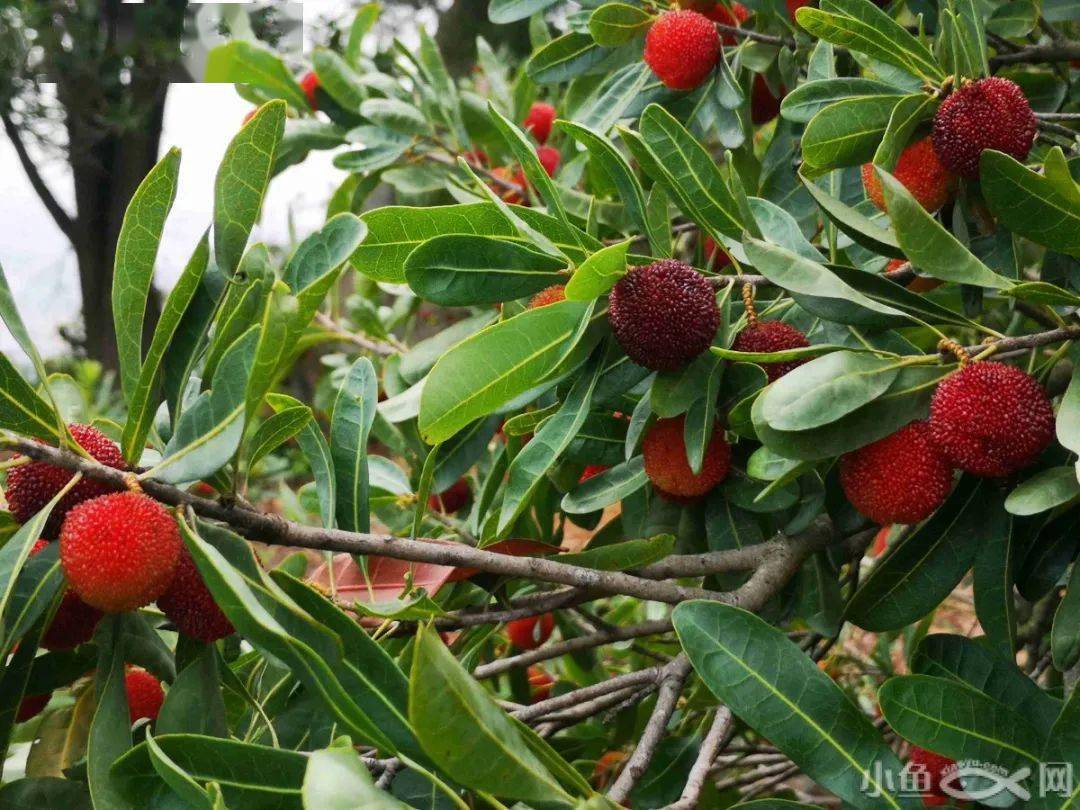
point(131, 481)
point(951, 346)
point(748, 304)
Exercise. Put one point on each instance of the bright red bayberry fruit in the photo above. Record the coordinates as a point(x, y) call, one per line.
point(682, 49)
point(549, 158)
point(32, 485)
point(666, 465)
point(549, 295)
point(990, 113)
point(592, 471)
point(540, 684)
point(991, 419)
point(764, 106)
point(119, 551)
point(920, 172)
point(31, 706)
point(309, 84)
point(713, 254)
point(899, 479)
point(450, 499)
point(74, 621)
point(735, 17)
point(937, 767)
point(795, 5)
point(190, 606)
point(771, 336)
point(144, 694)
point(530, 632)
point(663, 314)
point(917, 284)
point(539, 121)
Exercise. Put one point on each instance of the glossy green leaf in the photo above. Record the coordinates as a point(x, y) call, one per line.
point(276, 430)
point(502, 12)
point(806, 100)
point(566, 57)
point(995, 606)
point(623, 556)
point(599, 273)
point(243, 62)
point(1067, 425)
point(906, 117)
point(317, 451)
point(338, 79)
point(864, 231)
point(194, 702)
point(1065, 633)
point(1044, 491)
point(847, 132)
point(110, 730)
point(396, 116)
point(350, 424)
point(613, 24)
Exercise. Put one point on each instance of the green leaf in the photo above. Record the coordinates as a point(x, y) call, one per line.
point(859, 227)
point(806, 100)
point(396, 116)
point(1068, 415)
point(1065, 633)
point(242, 62)
point(930, 247)
point(956, 721)
point(110, 730)
point(338, 79)
point(136, 252)
point(599, 273)
point(502, 12)
point(9, 312)
point(825, 389)
point(365, 19)
point(51, 791)
point(501, 362)
point(194, 702)
point(39, 581)
point(994, 580)
point(462, 270)
point(776, 689)
point(143, 399)
point(610, 486)
point(616, 23)
point(317, 452)
point(274, 332)
point(1044, 491)
point(350, 424)
point(905, 118)
point(22, 410)
point(624, 555)
point(276, 430)
point(567, 57)
point(1030, 204)
point(172, 775)
point(1012, 20)
point(242, 180)
point(924, 567)
point(977, 665)
point(468, 735)
point(336, 779)
point(323, 251)
point(847, 132)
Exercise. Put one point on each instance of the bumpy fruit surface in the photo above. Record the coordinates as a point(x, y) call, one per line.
point(540, 684)
point(764, 106)
point(74, 621)
point(917, 284)
point(936, 766)
point(539, 121)
point(991, 419)
point(32, 485)
point(920, 172)
point(990, 113)
point(899, 479)
point(31, 706)
point(771, 336)
point(144, 694)
point(668, 468)
point(119, 551)
point(682, 49)
point(309, 84)
point(549, 295)
point(663, 314)
point(530, 632)
point(450, 499)
point(190, 606)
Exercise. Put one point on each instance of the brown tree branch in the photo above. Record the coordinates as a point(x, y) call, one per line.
point(1050, 52)
point(719, 731)
point(61, 217)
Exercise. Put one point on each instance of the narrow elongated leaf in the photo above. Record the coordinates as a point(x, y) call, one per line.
point(338, 79)
point(773, 686)
point(623, 556)
point(133, 271)
point(569, 56)
point(194, 703)
point(1031, 204)
point(110, 730)
point(1065, 633)
point(1067, 425)
point(174, 776)
point(1044, 491)
point(350, 424)
point(317, 451)
point(994, 580)
point(502, 12)
point(855, 224)
point(274, 329)
point(22, 410)
point(242, 180)
point(276, 430)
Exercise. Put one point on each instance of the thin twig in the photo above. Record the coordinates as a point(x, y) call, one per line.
point(1052, 52)
point(746, 33)
point(699, 772)
point(61, 217)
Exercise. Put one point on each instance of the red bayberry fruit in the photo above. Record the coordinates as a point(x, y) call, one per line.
point(31, 706)
point(917, 284)
point(540, 684)
point(881, 541)
point(735, 17)
point(592, 471)
point(74, 621)
point(539, 121)
point(144, 694)
point(764, 106)
point(309, 84)
point(530, 632)
point(32, 485)
point(189, 605)
point(990, 113)
point(549, 295)
point(713, 254)
point(795, 5)
point(450, 499)
point(511, 195)
point(119, 551)
point(549, 158)
point(771, 336)
point(899, 479)
point(682, 49)
point(668, 468)
point(663, 314)
point(936, 767)
point(606, 768)
point(920, 172)
point(991, 419)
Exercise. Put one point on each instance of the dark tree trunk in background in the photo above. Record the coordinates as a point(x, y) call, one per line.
point(463, 22)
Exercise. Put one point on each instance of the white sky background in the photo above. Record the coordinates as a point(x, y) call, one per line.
point(200, 119)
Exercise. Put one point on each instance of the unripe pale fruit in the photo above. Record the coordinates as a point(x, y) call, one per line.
point(667, 467)
point(119, 551)
point(663, 314)
point(450, 499)
point(937, 767)
point(991, 419)
point(771, 336)
point(144, 694)
point(682, 49)
point(530, 632)
point(539, 121)
point(549, 295)
point(899, 479)
point(309, 84)
point(74, 621)
point(190, 606)
point(920, 172)
point(990, 113)
point(32, 485)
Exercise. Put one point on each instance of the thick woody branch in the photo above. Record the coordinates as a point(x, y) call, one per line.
point(1028, 341)
point(56, 211)
point(1051, 52)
